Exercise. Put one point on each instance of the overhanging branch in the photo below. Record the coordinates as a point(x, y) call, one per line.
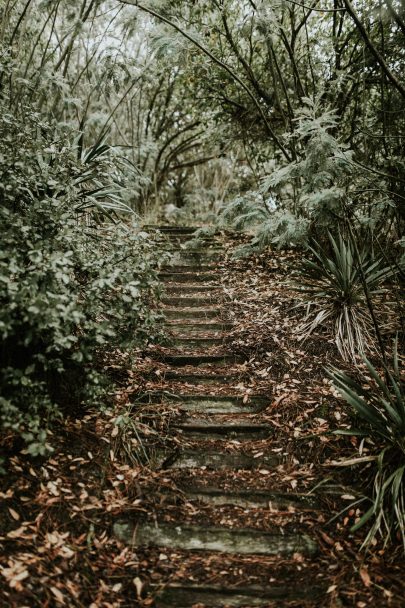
point(223, 65)
point(373, 49)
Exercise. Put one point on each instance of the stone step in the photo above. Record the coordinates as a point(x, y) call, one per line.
point(196, 327)
point(189, 301)
point(223, 540)
point(237, 429)
point(185, 259)
point(186, 289)
point(183, 595)
point(189, 245)
point(185, 234)
point(202, 250)
point(214, 459)
point(179, 314)
point(205, 379)
point(251, 499)
point(206, 404)
point(172, 229)
point(189, 342)
point(194, 255)
point(185, 245)
point(197, 359)
point(174, 268)
point(186, 242)
point(190, 277)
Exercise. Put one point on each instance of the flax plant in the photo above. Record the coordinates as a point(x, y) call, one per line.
point(334, 291)
point(380, 408)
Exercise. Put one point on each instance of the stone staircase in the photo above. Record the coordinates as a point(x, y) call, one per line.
point(209, 424)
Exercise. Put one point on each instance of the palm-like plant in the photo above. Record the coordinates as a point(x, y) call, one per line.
point(382, 409)
point(335, 287)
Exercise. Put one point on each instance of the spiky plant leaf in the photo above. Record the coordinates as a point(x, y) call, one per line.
point(333, 285)
point(381, 407)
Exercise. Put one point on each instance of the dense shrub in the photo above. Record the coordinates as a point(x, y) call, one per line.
point(73, 277)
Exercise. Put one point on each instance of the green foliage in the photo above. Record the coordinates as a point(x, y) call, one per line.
point(334, 287)
point(270, 226)
point(381, 409)
point(311, 190)
point(72, 282)
point(245, 211)
point(321, 172)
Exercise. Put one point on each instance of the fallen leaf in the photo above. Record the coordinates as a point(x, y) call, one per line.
point(365, 577)
point(138, 585)
point(16, 533)
point(14, 514)
point(59, 596)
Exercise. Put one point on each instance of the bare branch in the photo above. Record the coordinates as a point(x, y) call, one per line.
point(223, 65)
point(373, 49)
point(319, 10)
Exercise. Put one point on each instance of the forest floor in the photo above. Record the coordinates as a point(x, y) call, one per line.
point(145, 461)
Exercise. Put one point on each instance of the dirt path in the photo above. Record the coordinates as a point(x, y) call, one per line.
point(227, 516)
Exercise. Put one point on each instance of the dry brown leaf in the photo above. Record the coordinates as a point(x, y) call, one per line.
point(365, 577)
point(58, 595)
point(14, 514)
point(138, 585)
point(16, 533)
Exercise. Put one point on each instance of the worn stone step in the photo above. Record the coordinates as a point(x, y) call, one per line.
point(222, 404)
point(186, 260)
point(186, 235)
point(172, 229)
point(186, 243)
point(189, 257)
point(179, 314)
point(190, 277)
point(197, 327)
point(237, 429)
point(214, 459)
point(178, 268)
point(208, 404)
point(251, 499)
point(210, 251)
point(189, 342)
point(183, 595)
point(187, 289)
point(223, 540)
point(205, 379)
point(198, 359)
point(189, 301)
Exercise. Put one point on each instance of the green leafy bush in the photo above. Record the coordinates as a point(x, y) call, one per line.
point(381, 409)
point(257, 214)
point(334, 287)
point(315, 185)
point(72, 281)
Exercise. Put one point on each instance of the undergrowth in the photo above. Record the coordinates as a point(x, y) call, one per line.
point(76, 277)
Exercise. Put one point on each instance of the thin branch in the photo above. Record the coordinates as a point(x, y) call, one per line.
point(373, 49)
point(396, 16)
point(223, 65)
point(20, 20)
point(320, 10)
point(193, 163)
